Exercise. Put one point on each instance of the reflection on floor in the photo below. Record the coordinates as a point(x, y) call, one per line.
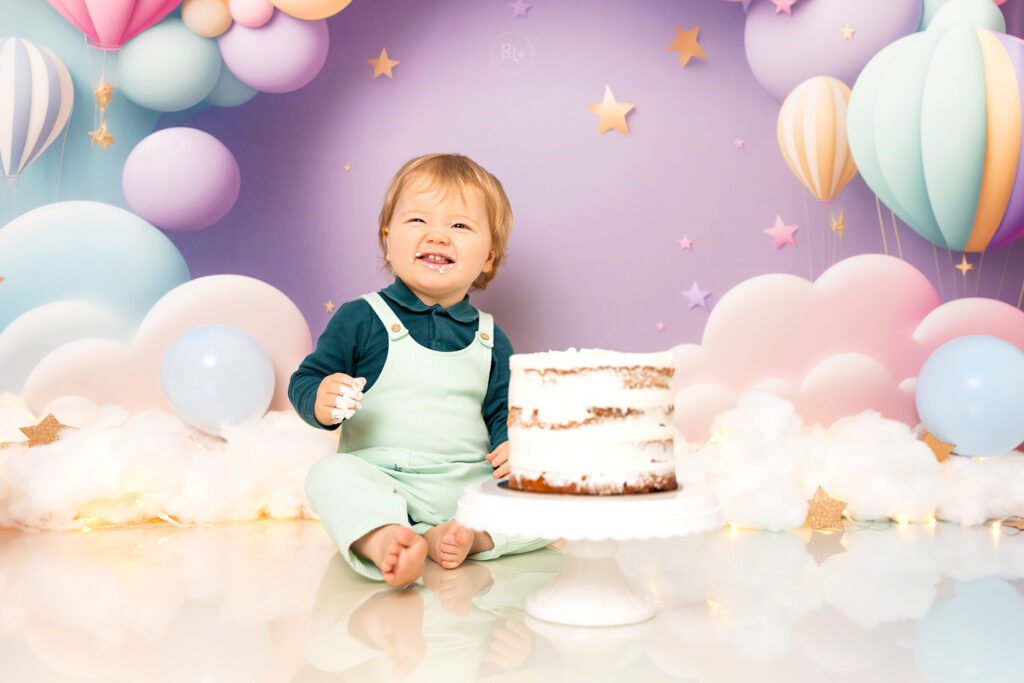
point(269, 602)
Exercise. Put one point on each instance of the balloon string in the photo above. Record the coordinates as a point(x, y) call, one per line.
point(981, 264)
point(810, 252)
point(60, 164)
point(1021, 297)
point(950, 255)
point(881, 226)
point(1002, 276)
point(938, 274)
point(896, 230)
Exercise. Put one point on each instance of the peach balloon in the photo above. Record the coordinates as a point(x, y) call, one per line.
point(311, 9)
point(207, 18)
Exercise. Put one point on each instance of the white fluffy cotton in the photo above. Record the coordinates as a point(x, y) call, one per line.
point(765, 464)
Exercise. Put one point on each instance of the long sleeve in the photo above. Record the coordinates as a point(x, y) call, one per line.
point(495, 408)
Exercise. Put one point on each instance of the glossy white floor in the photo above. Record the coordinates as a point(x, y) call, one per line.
point(269, 602)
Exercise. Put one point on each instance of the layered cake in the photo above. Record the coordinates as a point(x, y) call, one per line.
point(591, 421)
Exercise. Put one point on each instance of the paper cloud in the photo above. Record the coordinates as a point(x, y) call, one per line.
point(854, 339)
point(129, 375)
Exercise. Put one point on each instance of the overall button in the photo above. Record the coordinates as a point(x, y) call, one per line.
point(396, 327)
point(485, 336)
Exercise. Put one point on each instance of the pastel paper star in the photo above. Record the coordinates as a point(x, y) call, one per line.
point(697, 297)
point(103, 94)
point(519, 8)
point(782, 233)
point(46, 432)
point(839, 224)
point(383, 65)
point(783, 6)
point(329, 306)
point(660, 325)
point(848, 32)
point(101, 137)
point(964, 266)
point(685, 243)
point(739, 143)
point(940, 449)
point(825, 511)
point(686, 45)
point(612, 113)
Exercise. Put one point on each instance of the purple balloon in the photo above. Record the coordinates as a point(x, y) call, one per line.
point(181, 179)
point(784, 51)
point(282, 55)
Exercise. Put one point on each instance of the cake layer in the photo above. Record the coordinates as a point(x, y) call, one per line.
point(569, 452)
point(597, 483)
point(646, 423)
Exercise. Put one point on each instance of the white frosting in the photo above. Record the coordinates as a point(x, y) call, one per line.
point(588, 358)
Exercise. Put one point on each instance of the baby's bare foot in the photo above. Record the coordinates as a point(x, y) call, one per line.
point(448, 544)
point(400, 554)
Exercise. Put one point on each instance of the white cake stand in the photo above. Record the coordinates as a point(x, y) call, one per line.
point(590, 590)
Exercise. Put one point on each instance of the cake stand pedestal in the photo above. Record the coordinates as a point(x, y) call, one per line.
point(590, 590)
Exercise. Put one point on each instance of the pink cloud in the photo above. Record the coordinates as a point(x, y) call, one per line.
point(852, 340)
point(106, 371)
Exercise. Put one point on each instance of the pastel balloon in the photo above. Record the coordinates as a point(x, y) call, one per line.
point(168, 68)
point(969, 394)
point(784, 51)
point(109, 24)
point(229, 91)
point(282, 55)
point(38, 94)
point(181, 179)
point(215, 374)
point(935, 127)
point(311, 9)
point(251, 13)
point(812, 136)
point(207, 18)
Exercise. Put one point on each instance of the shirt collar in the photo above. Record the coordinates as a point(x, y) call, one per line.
point(400, 293)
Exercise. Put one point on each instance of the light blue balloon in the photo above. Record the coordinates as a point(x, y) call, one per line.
point(946, 14)
point(229, 91)
point(168, 67)
point(89, 252)
point(215, 374)
point(970, 392)
point(974, 635)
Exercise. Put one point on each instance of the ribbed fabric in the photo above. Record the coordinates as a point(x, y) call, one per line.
point(416, 443)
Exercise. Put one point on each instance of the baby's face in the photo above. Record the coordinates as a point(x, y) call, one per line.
point(439, 242)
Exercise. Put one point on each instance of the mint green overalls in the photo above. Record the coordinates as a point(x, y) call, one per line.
point(416, 443)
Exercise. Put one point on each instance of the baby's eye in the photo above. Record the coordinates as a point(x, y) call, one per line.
point(461, 226)
point(413, 220)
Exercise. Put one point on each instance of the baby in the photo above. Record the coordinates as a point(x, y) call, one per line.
point(420, 379)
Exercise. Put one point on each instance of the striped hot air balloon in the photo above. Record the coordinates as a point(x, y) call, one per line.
point(110, 23)
point(935, 127)
point(812, 136)
point(36, 96)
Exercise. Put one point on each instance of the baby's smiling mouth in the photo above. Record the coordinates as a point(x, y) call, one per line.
point(435, 260)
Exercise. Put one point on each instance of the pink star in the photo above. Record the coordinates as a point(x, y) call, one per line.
point(660, 325)
point(783, 6)
point(519, 8)
point(738, 143)
point(782, 233)
point(685, 243)
point(697, 297)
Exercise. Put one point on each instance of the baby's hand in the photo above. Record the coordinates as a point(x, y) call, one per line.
point(499, 460)
point(338, 398)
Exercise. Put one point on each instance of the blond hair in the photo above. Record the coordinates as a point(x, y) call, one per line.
point(456, 171)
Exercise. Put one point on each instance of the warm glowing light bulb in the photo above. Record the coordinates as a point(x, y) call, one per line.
point(931, 521)
point(712, 604)
point(904, 524)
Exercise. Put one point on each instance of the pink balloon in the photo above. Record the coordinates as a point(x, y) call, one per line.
point(181, 179)
point(110, 24)
point(251, 13)
point(282, 55)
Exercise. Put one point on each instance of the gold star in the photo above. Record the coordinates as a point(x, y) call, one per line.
point(1014, 522)
point(383, 65)
point(347, 168)
point(101, 137)
point(2, 279)
point(964, 266)
point(612, 113)
point(329, 306)
point(940, 449)
point(839, 224)
point(103, 94)
point(848, 32)
point(825, 511)
point(687, 46)
point(824, 544)
point(45, 432)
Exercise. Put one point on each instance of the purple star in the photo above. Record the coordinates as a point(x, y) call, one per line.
point(519, 8)
point(697, 297)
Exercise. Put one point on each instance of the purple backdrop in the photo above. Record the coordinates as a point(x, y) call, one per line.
point(594, 259)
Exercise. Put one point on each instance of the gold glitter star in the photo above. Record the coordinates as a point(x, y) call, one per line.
point(940, 449)
point(825, 511)
point(1014, 522)
point(45, 432)
point(686, 45)
point(329, 306)
point(101, 136)
point(824, 544)
point(839, 224)
point(848, 32)
point(383, 65)
point(103, 94)
point(964, 266)
point(612, 113)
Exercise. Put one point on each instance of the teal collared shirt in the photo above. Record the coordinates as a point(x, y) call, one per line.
point(356, 343)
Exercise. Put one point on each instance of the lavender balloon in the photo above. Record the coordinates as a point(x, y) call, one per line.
point(282, 55)
point(181, 179)
point(784, 51)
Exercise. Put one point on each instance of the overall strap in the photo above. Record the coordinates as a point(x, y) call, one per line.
point(395, 329)
point(485, 330)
